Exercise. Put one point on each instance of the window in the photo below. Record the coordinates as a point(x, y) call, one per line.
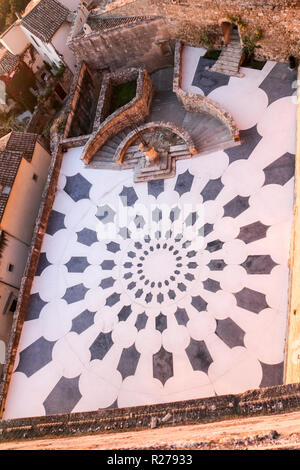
point(10, 268)
point(34, 177)
point(13, 306)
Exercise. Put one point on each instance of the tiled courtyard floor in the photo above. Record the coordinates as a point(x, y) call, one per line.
point(174, 289)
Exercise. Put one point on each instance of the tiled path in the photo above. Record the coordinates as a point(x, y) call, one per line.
point(169, 290)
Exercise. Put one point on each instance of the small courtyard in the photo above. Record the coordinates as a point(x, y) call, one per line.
point(171, 289)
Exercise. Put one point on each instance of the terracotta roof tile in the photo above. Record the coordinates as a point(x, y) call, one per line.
point(7, 60)
point(45, 19)
point(98, 23)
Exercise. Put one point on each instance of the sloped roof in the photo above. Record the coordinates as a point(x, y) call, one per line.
point(45, 19)
point(13, 147)
point(7, 60)
point(98, 23)
point(23, 142)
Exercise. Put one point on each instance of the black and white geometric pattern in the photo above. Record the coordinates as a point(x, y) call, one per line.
point(167, 290)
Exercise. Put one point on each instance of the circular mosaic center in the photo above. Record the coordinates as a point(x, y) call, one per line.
point(159, 265)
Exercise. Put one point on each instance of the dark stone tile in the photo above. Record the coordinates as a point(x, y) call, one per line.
point(192, 265)
point(181, 287)
point(75, 293)
point(56, 222)
point(189, 277)
point(211, 285)
point(212, 189)
point(131, 285)
point(163, 365)
point(107, 282)
point(251, 300)
point(199, 303)
point(191, 219)
point(128, 196)
point(105, 214)
point(259, 264)
point(128, 361)
point(107, 265)
point(113, 247)
point(205, 230)
point(64, 396)
point(125, 233)
point(35, 356)
point(208, 81)
point(250, 138)
point(174, 214)
point(156, 214)
point(87, 237)
point(214, 245)
point(161, 322)
point(171, 294)
point(160, 298)
point(42, 264)
point(77, 187)
point(278, 82)
point(101, 346)
point(148, 297)
point(235, 207)
point(216, 265)
point(280, 171)
point(113, 299)
point(198, 355)
point(83, 321)
point(272, 374)
point(141, 321)
point(131, 254)
point(139, 293)
point(34, 307)
point(124, 312)
point(156, 187)
point(184, 182)
point(77, 264)
point(252, 232)
point(139, 221)
point(229, 332)
point(181, 316)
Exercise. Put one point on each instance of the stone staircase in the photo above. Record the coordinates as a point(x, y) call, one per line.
point(229, 59)
point(208, 133)
point(104, 158)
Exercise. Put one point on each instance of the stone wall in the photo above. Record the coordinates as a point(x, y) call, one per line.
point(279, 20)
point(125, 46)
point(263, 401)
point(81, 107)
point(193, 102)
point(135, 111)
point(134, 135)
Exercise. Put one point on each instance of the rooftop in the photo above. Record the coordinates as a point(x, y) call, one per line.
point(7, 60)
point(45, 19)
point(13, 147)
